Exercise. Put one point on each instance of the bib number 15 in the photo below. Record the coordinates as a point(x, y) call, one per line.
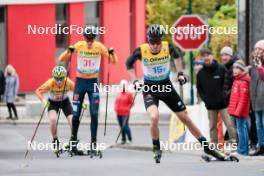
point(158, 70)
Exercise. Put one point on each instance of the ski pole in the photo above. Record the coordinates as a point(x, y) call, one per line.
point(85, 106)
point(126, 120)
point(35, 131)
point(63, 92)
point(181, 95)
point(107, 94)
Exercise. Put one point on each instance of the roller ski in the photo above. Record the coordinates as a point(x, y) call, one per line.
point(157, 155)
point(56, 147)
point(209, 158)
point(214, 155)
point(72, 148)
point(93, 152)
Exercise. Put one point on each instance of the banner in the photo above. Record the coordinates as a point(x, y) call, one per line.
point(178, 132)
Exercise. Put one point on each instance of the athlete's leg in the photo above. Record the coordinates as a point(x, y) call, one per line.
point(154, 121)
point(69, 120)
point(78, 97)
point(52, 114)
point(184, 117)
point(174, 102)
point(151, 104)
point(94, 100)
point(67, 110)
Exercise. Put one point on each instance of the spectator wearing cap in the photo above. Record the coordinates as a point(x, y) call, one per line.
point(257, 95)
point(210, 86)
point(239, 104)
point(228, 61)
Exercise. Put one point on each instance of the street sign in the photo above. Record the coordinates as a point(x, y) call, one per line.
point(190, 32)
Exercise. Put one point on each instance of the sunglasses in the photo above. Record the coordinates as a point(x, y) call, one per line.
point(89, 39)
point(59, 79)
point(153, 42)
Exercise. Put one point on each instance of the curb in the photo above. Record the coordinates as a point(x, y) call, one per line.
point(101, 123)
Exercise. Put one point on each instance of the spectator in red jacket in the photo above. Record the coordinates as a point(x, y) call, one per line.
point(123, 104)
point(240, 103)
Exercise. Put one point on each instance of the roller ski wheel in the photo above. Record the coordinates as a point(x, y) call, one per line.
point(95, 153)
point(157, 155)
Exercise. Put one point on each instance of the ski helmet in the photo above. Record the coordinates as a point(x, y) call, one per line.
point(90, 32)
point(155, 32)
point(59, 72)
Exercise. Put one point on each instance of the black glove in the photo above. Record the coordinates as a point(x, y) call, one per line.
point(70, 49)
point(137, 86)
point(182, 78)
point(111, 50)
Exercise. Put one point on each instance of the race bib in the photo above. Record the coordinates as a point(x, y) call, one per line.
point(88, 65)
point(57, 96)
point(157, 72)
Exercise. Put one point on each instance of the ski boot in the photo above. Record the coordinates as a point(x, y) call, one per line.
point(73, 150)
point(157, 153)
point(94, 152)
point(56, 147)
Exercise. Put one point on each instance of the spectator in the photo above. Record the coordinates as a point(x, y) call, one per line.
point(123, 104)
point(252, 124)
point(11, 90)
point(197, 66)
point(210, 84)
point(257, 95)
point(2, 84)
point(228, 60)
point(240, 104)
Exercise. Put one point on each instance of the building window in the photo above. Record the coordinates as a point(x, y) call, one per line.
point(62, 20)
point(92, 14)
point(3, 34)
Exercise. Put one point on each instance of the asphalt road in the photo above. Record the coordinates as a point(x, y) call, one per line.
point(115, 161)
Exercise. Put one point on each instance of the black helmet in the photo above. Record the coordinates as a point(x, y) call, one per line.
point(155, 32)
point(90, 32)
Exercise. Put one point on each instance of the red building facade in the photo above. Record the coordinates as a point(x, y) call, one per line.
point(34, 56)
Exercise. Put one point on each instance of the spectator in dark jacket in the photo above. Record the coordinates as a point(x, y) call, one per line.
point(257, 95)
point(210, 84)
point(227, 60)
point(11, 90)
